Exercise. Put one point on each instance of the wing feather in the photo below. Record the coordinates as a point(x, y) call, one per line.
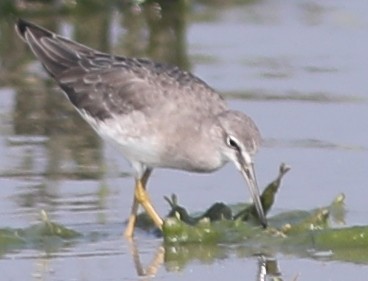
point(104, 85)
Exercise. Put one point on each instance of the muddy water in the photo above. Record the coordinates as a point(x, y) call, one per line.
point(299, 69)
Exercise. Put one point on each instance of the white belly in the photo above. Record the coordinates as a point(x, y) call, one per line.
point(141, 143)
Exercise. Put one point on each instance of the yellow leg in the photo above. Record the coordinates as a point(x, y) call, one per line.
point(141, 198)
point(134, 211)
point(144, 200)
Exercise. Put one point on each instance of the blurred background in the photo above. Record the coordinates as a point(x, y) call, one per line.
point(298, 68)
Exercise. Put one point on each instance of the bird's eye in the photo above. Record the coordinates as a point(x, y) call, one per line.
point(232, 143)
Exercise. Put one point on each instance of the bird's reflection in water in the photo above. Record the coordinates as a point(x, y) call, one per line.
point(151, 269)
point(268, 269)
point(177, 257)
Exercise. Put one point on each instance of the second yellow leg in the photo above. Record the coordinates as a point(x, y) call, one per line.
point(141, 198)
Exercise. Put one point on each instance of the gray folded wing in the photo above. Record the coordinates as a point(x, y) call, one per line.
point(103, 85)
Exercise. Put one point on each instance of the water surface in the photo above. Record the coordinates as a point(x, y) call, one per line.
point(298, 68)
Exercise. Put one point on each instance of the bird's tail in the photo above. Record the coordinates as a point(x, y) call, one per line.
point(55, 52)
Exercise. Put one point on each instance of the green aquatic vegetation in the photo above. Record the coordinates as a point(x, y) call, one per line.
point(315, 233)
point(315, 220)
point(303, 233)
point(341, 238)
point(45, 234)
point(10, 238)
point(218, 224)
point(47, 228)
point(220, 211)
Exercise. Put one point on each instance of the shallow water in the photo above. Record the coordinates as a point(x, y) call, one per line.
point(298, 68)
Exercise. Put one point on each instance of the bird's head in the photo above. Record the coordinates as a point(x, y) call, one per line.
point(239, 140)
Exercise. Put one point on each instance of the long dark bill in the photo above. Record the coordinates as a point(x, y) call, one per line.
point(250, 177)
